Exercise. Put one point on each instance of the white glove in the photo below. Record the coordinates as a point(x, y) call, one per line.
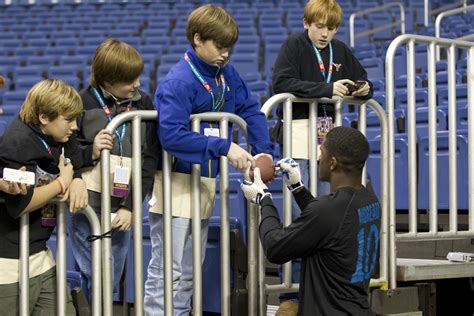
point(256, 191)
point(291, 173)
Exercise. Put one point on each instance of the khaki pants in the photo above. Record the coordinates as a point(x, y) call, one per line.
point(42, 300)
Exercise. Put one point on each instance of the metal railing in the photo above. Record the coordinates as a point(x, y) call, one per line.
point(427, 13)
point(287, 100)
point(440, 18)
point(136, 116)
point(432, 43)
point(401, 22)
point(61, 285)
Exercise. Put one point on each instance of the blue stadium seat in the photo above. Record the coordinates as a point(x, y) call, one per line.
point(245, 63)
point(178, 49)
point(421, 98)
point(3, 125)
point(461, 95)
point(42, 61)
point(9, 112)
point(401, 82)
point(162, 40)
point(271, 54)
point(58, 71)
point(162, 71)
point(259, 88)
point(374, 68)
point(211, 272)
point(129, 280)
point(247, 48)
point(19, 72)
point(443, 172)
point(401, 169)
point(56, 51)
point(25, 52)
point(88, 50)
point(77, 60)
point(422, 116)
point(26, 82)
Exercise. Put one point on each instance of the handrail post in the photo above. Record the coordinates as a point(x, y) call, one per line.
point(96, 261)
point(137, 215)
point(196, 230)
point(61, 285)
point(24, 264)
point(167, 234)
point(225, 231)
point(135, 117)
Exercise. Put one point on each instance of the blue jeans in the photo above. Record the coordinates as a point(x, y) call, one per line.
point(323, 189)
point(182, 265)
point(79, 230)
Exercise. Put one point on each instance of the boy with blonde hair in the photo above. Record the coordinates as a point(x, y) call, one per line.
point(202, 81)
point(313, 64)
point(42, 140)
point(114, 89)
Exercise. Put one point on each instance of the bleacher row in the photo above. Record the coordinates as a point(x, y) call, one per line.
point(58, 41)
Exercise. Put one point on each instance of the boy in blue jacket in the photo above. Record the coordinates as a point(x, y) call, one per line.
point(201, 81)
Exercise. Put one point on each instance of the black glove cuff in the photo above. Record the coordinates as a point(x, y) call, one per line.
point(260, 197)
point(295, 186)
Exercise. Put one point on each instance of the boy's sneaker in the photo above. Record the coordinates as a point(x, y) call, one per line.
point(287, 308)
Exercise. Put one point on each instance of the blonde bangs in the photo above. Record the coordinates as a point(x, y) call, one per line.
point(212, 23)
point(115, 62)
point(52, 98)
point(323, 11)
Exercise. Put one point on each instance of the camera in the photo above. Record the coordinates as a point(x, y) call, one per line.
point(354, 87)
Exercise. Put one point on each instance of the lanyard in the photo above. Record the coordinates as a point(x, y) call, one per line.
point(108, 114)
point(321, 63)
point(216, 106)
point(46, 146)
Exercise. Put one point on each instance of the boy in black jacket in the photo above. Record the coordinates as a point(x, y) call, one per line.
point(40, 139)
point(114, 89)
point(337, 235)
point(314, 65)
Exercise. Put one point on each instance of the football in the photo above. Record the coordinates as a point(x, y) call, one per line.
point(266, 166)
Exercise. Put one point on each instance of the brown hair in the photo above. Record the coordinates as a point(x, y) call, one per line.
point(115, 62)
point(212, 23)
point(52, 98)
point(326, 11)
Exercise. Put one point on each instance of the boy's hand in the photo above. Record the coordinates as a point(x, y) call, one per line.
point(291, 173)
point(362, 91)
point(122, 220)
point(65, 171)
point(256, 191)
point(14, 188)
point(103, 140)
point(239, 157)
point(339, 89)
point(77, 195)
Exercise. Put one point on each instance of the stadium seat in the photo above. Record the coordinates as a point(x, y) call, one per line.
point(26, 82)
point(245, 62)
point(401, 169)
point(443, 172)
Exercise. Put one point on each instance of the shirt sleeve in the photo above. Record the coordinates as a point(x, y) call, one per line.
point(303, 237)
point(11, 157)
point(174, 103)
point(249, 109)
point(286, 74)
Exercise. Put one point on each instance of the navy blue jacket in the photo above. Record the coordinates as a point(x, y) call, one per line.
point(181, 94)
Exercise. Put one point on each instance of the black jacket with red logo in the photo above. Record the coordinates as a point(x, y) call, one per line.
point(296, 71)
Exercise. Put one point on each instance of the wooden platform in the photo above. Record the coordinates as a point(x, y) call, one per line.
point(425, 269)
